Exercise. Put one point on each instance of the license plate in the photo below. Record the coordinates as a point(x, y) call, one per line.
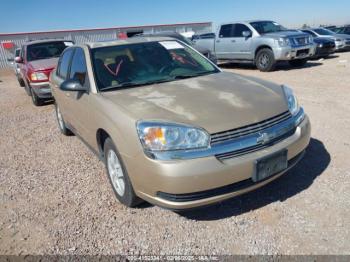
point(270, 165)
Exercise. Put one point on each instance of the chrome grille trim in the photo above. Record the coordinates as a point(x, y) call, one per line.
point(236, 147)
point(249, 129)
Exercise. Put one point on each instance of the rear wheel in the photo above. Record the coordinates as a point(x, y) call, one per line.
point(61, 124)
point(265, 60)
point(37, 101)
point(298, 62)
point(118, 176)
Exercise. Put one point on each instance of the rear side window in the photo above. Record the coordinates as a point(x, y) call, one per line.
point(239, 29)
point(78, 68)
point(226, 31)
point(63, 66)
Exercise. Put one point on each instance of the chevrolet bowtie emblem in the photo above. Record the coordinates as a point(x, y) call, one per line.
point(263, 139)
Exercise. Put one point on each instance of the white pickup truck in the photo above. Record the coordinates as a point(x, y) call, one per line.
point(262, 42)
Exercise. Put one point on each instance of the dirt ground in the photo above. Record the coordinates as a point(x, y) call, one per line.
point(55, 197)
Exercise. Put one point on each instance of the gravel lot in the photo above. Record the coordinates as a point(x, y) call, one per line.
point(55, 197)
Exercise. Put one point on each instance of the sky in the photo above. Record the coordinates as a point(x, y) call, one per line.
point(46, 15)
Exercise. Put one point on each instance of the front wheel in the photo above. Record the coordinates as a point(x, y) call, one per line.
point(37, 101)
point(21, 82)
point(61, 124)
point(265, 60)
point(298, 62)
point(118, 176)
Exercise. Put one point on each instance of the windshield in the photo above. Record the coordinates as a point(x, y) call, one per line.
point(323, 31)
point(265, 27)
point(46, 50)
point(147, 63)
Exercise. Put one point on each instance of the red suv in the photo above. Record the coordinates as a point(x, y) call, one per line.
point(36, 61)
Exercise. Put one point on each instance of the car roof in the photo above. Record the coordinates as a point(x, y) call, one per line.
point(46, 41)
point(132, 40)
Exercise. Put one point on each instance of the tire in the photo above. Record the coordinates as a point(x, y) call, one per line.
point(37, 101)
point(21, 82)
point(118, 176)
point(27, 87)
point(265, 60)
point(298, 62)
point(61, 124)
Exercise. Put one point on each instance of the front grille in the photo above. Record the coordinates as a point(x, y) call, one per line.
point(221, 190)
point(302, 52)
point(329, 45)
point(249, 129)
point(255, 148)
point(301, 40)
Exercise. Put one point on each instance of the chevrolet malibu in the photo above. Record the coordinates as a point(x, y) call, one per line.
point(171, 127)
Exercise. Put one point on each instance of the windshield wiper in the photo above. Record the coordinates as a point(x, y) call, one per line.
point(193, 75)
point(136, 84)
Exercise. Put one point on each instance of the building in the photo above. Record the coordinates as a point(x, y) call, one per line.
point(10, 42)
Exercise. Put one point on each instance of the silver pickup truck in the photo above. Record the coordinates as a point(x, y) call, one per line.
point(262, 42)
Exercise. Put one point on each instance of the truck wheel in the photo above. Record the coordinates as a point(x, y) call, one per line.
point(27, 88)
point(21, 82)
point(118, 176)
point(298, 62)
point(61, 124)
point(265, 60)
point(37, 101)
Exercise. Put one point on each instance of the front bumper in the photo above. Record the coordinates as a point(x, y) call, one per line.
point(290, 53)
point(41, 89)
point(163, 183)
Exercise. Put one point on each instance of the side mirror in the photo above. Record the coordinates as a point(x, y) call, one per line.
point(73, 86)
point(18, 60)
point(247, 34)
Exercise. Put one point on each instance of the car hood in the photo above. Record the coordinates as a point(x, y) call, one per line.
point(43, 64)
point(286, 34)
point(216, 102)
point(321, 40)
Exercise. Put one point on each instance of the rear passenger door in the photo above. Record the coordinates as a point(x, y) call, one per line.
point(223, 44)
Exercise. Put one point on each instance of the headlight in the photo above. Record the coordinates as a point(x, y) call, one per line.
point(38, 76)
point(159, 136)
point(283, 42)
point(320, 45)
point(338, 40)
point(292, 101)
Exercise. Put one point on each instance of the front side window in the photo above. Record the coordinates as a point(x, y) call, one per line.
point(46, 50)
point(78, 68)
point(63, 64)
point(226, 31)
point(147, 63)
point(239, 29)
point(17, 52)
point(265, 27)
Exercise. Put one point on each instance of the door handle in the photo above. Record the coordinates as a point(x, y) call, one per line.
point(233, 41)
point(67, 94)
point(217, 41)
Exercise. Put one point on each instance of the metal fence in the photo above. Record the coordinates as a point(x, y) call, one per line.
point(91, 35)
